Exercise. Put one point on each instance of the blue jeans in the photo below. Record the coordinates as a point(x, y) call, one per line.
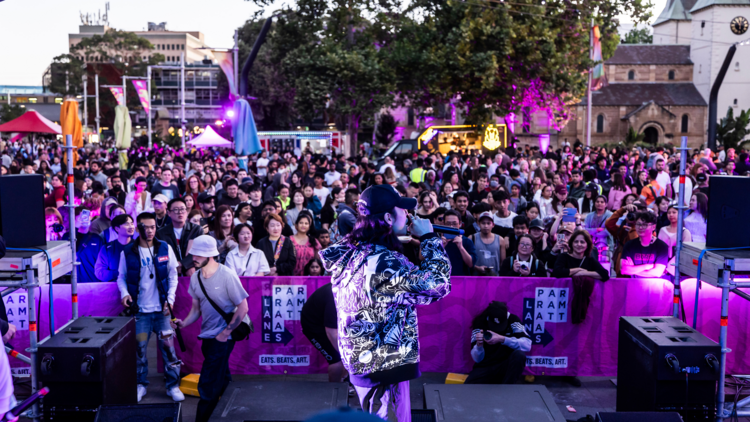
point(215, 375)
point(156, 322)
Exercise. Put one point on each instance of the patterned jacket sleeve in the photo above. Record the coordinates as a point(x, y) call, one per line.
point(421, 285)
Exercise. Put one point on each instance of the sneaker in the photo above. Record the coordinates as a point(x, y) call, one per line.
point(176, 394)
point(141, 392)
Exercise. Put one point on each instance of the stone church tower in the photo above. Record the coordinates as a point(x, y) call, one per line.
point(710, 27)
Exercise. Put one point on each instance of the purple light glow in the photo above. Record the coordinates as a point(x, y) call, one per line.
point(544, 143)
point(230, 113)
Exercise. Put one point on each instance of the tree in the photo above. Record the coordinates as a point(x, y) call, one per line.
point(731, 131)
point(633, 137)
point(9, 112)
point(273, 94)
point(638, 36)
point(499, 57)
point(386, 129)
point(111, 55)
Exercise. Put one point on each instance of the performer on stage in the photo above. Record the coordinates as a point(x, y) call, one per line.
point(376, 290)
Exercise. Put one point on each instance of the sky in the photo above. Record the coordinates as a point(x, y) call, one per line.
point(34, 31)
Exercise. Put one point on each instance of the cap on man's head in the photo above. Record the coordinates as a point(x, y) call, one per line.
point(497, 317)
point(536, 224)
point(204, 197)
point(161, 198)
point(379, 199)
point(565, 227)
point(591, 187)
point(561, 189)
point(486, 214)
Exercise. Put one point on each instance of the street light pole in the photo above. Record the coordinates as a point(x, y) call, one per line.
point(182, 104)
point(236, 57)
point(150, 106)
point(96, 83)
point(85, 101)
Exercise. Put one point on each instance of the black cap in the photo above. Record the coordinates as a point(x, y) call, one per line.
point(591, 187)
point(497, 317)
point(204, 197)
point(536, 224)
point(379, 199)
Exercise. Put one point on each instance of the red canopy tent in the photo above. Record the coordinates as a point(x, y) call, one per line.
point(31, 122)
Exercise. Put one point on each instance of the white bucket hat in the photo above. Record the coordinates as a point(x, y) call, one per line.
point(204, 246)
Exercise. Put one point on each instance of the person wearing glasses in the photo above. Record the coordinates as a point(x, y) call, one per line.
point(523, 263)
point(646, 256)
point(179, 234)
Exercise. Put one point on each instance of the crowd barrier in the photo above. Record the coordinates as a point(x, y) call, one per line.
point(559, 347)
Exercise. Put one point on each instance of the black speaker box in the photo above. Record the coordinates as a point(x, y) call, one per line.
point(22, 210)
point(728, 212)
point(161, 412)
point(92, 362)
point(663, 365)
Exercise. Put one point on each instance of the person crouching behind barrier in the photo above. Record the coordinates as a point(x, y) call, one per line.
point(499, 345)
point(376, 290)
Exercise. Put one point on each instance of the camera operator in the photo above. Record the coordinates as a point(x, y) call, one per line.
point(499, 346)
point(645, 256)
point(523, 263)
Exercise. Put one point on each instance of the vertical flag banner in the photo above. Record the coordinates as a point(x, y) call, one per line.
point(226, 62)
point(141, 87)
point(119, 95)
point(599, 79)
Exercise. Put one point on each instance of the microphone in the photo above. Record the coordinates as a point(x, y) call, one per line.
point(447, 230)
point(13, 413)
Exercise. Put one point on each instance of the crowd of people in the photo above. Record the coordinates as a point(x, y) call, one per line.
point(587, 213)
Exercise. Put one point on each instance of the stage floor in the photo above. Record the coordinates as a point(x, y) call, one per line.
point(596, 394)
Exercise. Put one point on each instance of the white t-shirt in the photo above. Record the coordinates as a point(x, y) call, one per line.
point(505, 222)
point(332, 177)
point(663, 180)
point(148, 293)
point(247, 266)
point(262, 166)
point(178, 233)
point(322, 194)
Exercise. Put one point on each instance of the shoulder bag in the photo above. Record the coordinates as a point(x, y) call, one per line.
point(242, 331)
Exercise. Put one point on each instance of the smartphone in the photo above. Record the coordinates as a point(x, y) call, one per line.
point(560, 237)
point(569, 215)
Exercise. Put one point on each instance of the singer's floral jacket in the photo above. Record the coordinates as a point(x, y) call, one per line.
point(376, 292)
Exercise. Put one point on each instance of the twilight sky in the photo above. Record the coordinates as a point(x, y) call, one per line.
point(34, 31)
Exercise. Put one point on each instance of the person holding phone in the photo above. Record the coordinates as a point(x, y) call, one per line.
point(499, 345)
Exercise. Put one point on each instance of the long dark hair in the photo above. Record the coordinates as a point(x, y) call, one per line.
point(218, 231)
point(702, 200)
point(374, 229)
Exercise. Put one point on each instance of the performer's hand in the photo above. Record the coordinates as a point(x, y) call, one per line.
point(496, 338)
point(420, 226)
point(126, 301)
point(10, 334)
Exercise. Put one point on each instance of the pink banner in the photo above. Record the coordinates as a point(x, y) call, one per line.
point(559, 347)
point(141, 87)
point(118, 93)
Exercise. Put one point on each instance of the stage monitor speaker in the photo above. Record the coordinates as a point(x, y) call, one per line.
point(89, 363)
point(255, 401)
point(161, 412)
point(638, 417)
point(728, 212)
point(22, 210)
point(491, 403)
point(663, 365)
